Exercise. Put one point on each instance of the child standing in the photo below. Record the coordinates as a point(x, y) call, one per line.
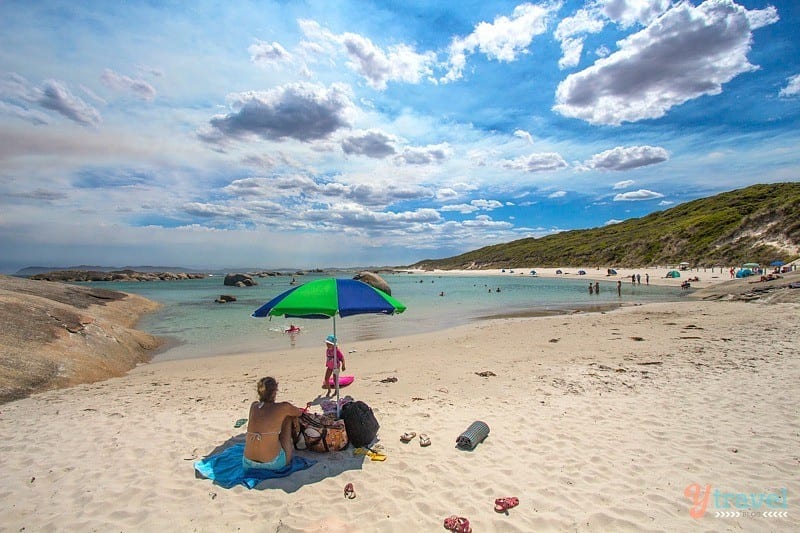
point(331, 361)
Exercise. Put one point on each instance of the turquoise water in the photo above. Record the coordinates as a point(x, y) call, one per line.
point(198, 327)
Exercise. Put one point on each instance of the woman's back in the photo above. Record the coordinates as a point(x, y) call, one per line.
point(263, 430)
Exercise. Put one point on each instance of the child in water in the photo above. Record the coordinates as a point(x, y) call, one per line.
point(331, 361)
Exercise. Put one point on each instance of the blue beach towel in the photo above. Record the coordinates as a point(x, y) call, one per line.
point(225, 468)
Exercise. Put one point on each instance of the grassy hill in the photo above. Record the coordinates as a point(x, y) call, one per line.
point(760, 223)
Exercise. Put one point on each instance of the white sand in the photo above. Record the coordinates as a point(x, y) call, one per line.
point(598, 423)
point(658, 275)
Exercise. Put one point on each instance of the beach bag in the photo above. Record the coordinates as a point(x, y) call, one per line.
point(319, 433)
point(362, 426)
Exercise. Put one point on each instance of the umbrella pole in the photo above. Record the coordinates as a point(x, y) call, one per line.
point(336, 366)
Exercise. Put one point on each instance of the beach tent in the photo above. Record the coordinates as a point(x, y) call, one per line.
point(581, 272)
point(612, 272)
point(777, 264)
point(325, 298)
point(684, 265)
point(559, 271)
point(673, 274)
point(533, 272)
point(744, 272)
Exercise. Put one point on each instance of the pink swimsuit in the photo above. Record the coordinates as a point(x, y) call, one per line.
point(329, 357)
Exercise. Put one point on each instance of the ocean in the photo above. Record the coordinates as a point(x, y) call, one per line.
point(195, 326)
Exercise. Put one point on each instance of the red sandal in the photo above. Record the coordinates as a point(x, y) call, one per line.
point(459, 524)
point(501, 505)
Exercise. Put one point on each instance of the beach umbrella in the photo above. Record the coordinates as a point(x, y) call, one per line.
point(750, 265)
point(326, 298)
point(777, 264)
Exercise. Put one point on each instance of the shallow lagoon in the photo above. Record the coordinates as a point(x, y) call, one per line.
point(196, 326)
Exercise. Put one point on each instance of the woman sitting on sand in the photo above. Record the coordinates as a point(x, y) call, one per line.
point(268, 445)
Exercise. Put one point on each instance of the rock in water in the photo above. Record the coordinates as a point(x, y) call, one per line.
point(374, 280)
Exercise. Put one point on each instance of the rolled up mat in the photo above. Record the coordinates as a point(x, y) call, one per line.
point(474, 435)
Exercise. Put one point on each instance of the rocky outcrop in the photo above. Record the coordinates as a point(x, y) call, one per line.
point(57, 335)
point(225, 298)
point(374, 280)
point(114, 275)
point(239, 280)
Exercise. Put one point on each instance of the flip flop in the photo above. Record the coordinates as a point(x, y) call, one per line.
point(424, 440)
point(459, 524)
point(349, 491)
point(408, 436)
point(239, 423)
point(502, 505)
point(375, 456)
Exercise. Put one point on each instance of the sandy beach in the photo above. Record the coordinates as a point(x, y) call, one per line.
point(599, 422)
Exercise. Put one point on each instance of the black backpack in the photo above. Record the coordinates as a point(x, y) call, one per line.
point(362, 426)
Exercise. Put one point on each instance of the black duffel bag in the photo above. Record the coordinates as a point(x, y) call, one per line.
point(362, 426)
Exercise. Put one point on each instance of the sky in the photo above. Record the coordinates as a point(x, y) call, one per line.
point(291, 134)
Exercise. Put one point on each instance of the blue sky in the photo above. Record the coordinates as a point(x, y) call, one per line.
point(314, 134)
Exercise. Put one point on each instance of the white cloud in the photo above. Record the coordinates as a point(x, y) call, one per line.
point(504, 39)
point(425, 155)
point(447, 193)
point(627, 158)
point(459, 208)
point(666, 202)
point(641, 194)
point(629, 12)
point(522, 134)
point(623, 184)
point(399, 63)
point(611, 221)
point(762, 17)
point(264, 53)
point(486, 205)
point(557, 194)
point(688, 52)
point(17, 95)
point(485, 221)
point(120, 82)
point(571, 32)
point(536, 162)
point(792, 87)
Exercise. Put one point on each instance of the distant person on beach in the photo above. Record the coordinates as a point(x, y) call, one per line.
point(331, 361)
point(597, 287)
point(591, 288)
point(638, 279)
point(268, 443)
point(647, 278)
point(619, 287)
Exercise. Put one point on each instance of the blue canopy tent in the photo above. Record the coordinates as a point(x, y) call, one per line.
point(744, 272)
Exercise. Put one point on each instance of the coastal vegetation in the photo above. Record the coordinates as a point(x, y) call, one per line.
point(760, 223)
